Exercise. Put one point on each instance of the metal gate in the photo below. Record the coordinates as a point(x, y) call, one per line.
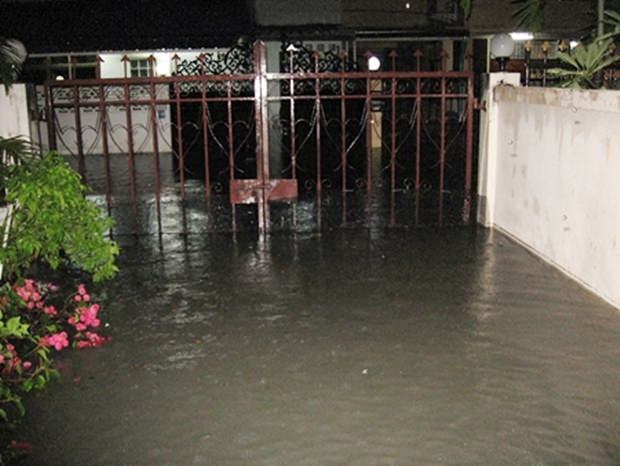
point(319, 133)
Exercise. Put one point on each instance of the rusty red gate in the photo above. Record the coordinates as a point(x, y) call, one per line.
point(225, 120)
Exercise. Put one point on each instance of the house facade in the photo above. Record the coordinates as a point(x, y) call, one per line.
point(133, 39)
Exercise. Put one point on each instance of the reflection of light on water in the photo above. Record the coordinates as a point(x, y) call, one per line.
point(194, 215)
point(485, 286)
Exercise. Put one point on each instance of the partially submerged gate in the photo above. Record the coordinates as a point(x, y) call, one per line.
point(319, 136)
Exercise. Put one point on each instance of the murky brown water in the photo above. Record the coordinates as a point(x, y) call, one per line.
point(386, 347)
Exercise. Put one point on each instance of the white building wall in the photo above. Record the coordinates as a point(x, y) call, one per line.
point(118, 142)
point(111, 67)
point(14, 119)
point(554, 179)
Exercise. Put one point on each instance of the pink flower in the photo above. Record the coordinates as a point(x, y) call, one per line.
point(77, 298)
point(30, 305)
point(86, 298)
point(88, 316)
point(80, 327)
point(72, 320)
point(94, 340)
point(57, 340)
point(27, 365)
point(23, 294)
point(81, 289)
point(53, 288)
point(13, 363)
point(50, 311)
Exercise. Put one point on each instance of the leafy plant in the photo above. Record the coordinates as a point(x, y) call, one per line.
point(16, 150)
point(612, 18)
point(52, 221)
point(529, 14)
point(584, 64)
point(34, 319)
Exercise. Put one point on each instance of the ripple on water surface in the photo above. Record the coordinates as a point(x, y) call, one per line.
point(363, 348)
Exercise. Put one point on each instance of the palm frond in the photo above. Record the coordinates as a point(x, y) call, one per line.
point(466, 6)
point(12, 56)
point(529, 14)
point(584, 64)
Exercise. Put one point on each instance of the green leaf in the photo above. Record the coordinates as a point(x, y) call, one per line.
point(15, 327)
point(529, 14)
point(53, 221)
point(27, 385)
point(40, 382)
point(20, 406)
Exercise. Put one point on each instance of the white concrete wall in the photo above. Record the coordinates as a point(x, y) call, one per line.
point(14, 120)
point(92, 141)
point(554, 179)
point(489, 124)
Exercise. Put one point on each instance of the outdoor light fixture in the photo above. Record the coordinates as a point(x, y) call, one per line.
point(374, 63)
point(521, 36)
point(502, 46)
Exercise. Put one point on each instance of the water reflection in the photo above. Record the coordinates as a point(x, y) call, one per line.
point(374, 346)
point(156, 203)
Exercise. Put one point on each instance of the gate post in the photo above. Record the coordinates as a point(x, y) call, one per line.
point(262, 131)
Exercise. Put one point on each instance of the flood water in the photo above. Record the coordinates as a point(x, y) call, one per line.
point(354, 347)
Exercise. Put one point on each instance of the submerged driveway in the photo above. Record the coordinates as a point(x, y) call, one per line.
point(388, 347)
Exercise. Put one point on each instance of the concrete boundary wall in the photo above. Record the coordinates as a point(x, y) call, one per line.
point(550, 178)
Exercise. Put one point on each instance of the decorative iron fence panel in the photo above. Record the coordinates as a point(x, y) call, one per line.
point(200, 150)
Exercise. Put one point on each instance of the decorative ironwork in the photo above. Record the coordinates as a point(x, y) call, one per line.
point(222, 130)
point(236, 60)
point(296, 58)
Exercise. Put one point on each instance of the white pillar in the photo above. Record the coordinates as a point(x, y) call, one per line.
point(487, 160)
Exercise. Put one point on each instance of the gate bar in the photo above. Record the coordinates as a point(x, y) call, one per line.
point(343, 137)
point(78, 132)
point(393, 138)
point(319, 171)
point(469, 151)
point(130, 148)
point(229, 120)
point(181, 154)
point(418, 133)
point(293, 126)
point(205, 141)
point(155, 129)
point(368, 137)
point(106, 150)
point(262, 134)
point(51, 114)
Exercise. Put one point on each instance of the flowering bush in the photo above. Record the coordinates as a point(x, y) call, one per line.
point(35, 322)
